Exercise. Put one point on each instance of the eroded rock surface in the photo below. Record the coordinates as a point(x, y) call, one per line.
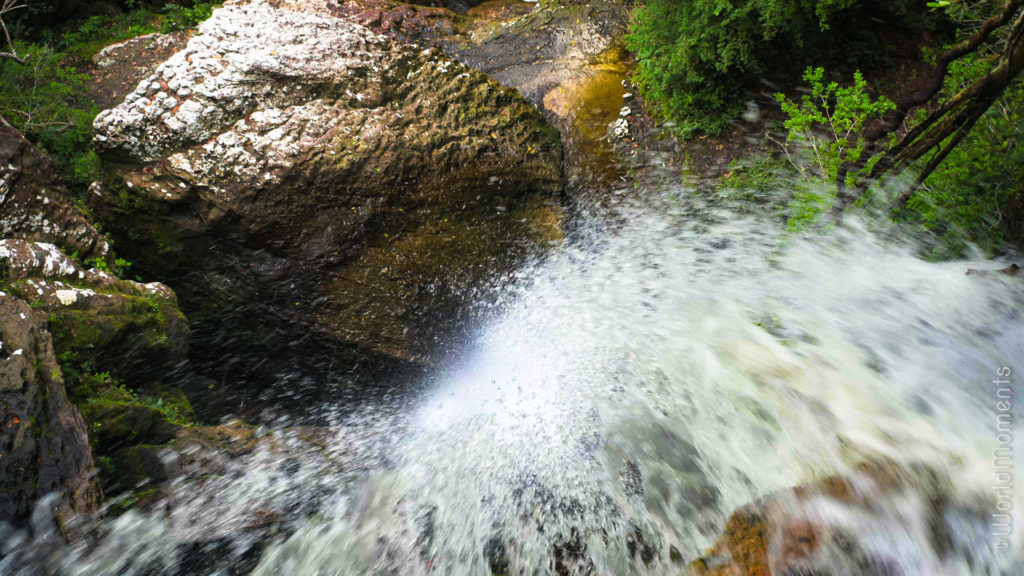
point(35, 204)
point(292, 171)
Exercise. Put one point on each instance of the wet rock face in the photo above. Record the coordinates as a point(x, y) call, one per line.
point(43, 444)
point(34, 204)
point(57, 321)
point(568, 58)
point(295, 169)
point(561, 43)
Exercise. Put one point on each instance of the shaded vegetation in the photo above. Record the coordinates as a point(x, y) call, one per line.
point(944, 119)
point(958, 136)
point(974, 197)
point(696, 61)
point(46, 100)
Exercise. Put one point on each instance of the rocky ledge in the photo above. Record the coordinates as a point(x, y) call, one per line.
point(76, 342)
point(35, 204)
point(43, 443)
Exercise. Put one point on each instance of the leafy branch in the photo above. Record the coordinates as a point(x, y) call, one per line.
point(829, 120)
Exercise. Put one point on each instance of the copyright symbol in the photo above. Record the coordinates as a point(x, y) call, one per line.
point(1002, 545)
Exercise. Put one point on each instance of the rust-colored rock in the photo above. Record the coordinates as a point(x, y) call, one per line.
point(881, 518)
point(119, 67)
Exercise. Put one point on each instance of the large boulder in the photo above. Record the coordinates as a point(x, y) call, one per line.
point(568, 57)
point(323, 196)
point(35, 204)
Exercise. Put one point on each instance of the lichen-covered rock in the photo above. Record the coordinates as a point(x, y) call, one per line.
point(43, 444)
point(35, 204)
point(113, 324)
point(120, 67)
point(291, 168)
point(881, 518)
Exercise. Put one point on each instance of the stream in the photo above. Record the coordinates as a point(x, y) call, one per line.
point(660, 370)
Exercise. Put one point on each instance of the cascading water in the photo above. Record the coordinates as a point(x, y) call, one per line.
point(638, 386)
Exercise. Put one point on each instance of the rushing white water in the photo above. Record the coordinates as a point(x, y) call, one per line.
point(636, 388)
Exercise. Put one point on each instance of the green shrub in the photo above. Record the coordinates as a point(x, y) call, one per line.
point(825, 130)
point(176, 17)
point(90, 36)
point(828, 121)
point(696, 59)
point(47, 100)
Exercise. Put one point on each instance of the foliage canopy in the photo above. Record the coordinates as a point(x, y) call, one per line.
point(695, 59)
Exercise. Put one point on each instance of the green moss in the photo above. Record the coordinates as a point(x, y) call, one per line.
point(91, 333)
point(117, 418)
point(133, 499)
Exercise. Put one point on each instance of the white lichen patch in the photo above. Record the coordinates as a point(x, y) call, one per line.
point(42, 257)
point(66, 297)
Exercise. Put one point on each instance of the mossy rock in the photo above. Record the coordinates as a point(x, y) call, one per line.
point(140, 498)
point(35, 204)
point(140, 466)
point(172, 402)
point(127, 331)
point(115, 325)
point(116, 419)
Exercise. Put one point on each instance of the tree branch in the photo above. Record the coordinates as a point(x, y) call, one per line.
point(954, 117)
point(7, 7)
